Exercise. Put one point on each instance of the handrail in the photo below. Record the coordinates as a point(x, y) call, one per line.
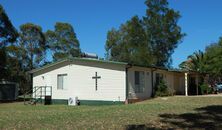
point(38, 87)
point(31, 91)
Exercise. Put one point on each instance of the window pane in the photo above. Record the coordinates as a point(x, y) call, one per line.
point(142, 82)
point(60, 82)
point(64, 82)
point(139, 81)
point(137, 78)
point(61, 79)
point(159, 78)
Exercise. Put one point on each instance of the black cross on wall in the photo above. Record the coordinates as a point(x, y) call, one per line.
point(96, 77)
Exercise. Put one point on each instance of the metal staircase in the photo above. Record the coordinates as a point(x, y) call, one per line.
point(37, 95)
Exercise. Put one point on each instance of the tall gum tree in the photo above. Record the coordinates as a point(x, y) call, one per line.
point(32, 45)
point(8, 35)
point(150, 40)
point(63, 41)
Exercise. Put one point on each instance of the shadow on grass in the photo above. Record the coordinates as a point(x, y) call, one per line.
point(209, 117)
point(139, 127)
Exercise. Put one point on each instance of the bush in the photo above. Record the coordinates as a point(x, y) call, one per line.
point(205, 89)
point(171, 91)
point(163, 90)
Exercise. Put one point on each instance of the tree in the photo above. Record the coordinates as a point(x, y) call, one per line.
point(213, 53)
point(63, 42)
point(206, 62)
point(32, 46)
point(14, 64)
point(3, 64)
point(147, 41)
point(27, 54)
point(8, 35)
point(129, 44)
point(162, 30)
point(195, 62)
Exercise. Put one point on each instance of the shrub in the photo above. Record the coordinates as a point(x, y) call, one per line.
point(205, 89)
point(163, 90)
point(171, 91)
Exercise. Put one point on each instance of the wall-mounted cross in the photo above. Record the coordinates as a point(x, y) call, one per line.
point(96, 77)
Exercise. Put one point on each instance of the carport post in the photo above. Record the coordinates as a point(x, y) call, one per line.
point(186, 84)
point(197, 83)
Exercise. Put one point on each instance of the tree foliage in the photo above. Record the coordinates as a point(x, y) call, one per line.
point(32, 45)
point(63, 41)
point(26, 54)
point(195, 62)
point(27, 49)
point(8, 35)
point(129, 44)
point(10, 60)
point(214, 55)
point(15, 68)
point(146, 41)
point(162, 29)
point(208, 62)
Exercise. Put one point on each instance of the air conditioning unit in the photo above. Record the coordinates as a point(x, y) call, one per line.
point(72, 101)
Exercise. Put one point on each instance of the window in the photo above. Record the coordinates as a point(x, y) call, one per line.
point(139, 81)
point(159, 78)
point(61, 81)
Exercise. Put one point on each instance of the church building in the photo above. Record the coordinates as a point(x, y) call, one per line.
point(95, 81)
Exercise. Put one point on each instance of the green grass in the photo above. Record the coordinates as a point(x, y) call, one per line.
point(171, 112)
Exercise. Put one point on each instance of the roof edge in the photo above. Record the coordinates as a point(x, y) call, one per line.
point(104, 61)
point(76, 59)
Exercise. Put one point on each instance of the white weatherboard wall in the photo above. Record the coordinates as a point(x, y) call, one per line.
point(174, 80)
point(111, 85)
point(131, 83)
point(168, 77)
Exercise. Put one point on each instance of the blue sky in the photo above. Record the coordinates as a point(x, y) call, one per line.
point(201, 20)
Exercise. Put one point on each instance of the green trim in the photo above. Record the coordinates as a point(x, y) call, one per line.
point(60, 101)
point(87, 102)
point(99, 102)
point(76, 59)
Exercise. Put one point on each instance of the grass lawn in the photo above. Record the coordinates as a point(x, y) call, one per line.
point(170, 112)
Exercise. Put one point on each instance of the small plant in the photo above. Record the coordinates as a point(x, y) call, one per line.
point(205, 89)
point(171, 91)
point(163, 90)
